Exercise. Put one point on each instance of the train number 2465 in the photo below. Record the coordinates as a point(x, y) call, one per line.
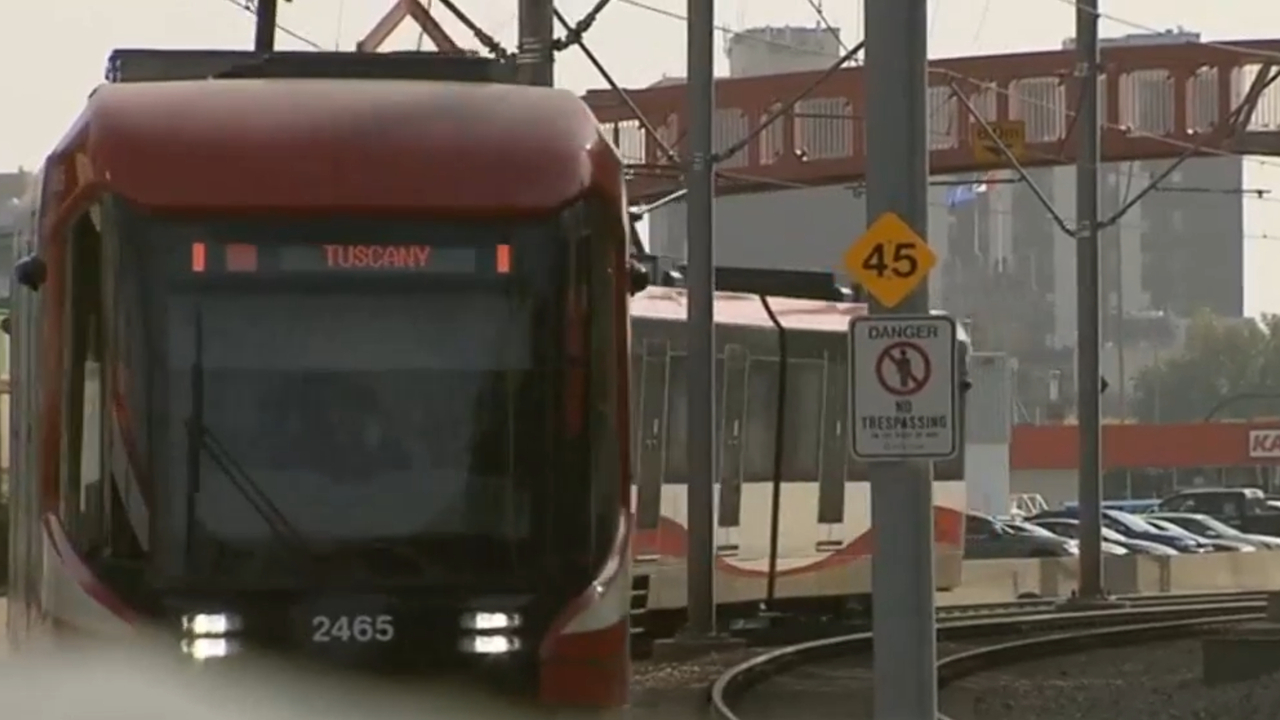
point(352, 628)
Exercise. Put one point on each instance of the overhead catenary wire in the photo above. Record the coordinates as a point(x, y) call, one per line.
point(816, 6)
point(251, 7)
point(1025, 99)
point(1229, 47)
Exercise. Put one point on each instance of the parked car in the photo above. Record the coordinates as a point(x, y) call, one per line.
point(1132, 526)
point(1133, 507)
point(1217, 544)
point(1027, 528)
point(1070, 528)
point(1208, 527)
point(988, 539)
point(1243, 508)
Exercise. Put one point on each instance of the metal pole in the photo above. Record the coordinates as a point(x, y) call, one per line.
point(264, 35)
point(1088, 362)
point(537, 32)
point(904, 627)
point(700, 233)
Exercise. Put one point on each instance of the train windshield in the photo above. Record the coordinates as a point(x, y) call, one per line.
point(389, 404)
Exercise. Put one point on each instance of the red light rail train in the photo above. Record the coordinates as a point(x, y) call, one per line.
point(820, 562)
point(325, 355)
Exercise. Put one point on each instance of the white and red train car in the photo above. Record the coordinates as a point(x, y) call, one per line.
point(824, 544)
point(333, 367)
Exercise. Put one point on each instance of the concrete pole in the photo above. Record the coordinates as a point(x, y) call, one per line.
point(904, 626)
point(535, 61)
point(700, 233)
point(264, 36)
point(1088, 310)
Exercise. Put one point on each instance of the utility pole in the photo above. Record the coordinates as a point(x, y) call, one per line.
point(699, 240)
point(1088, 310)
point(534, 59)
point(264, 36)
point(905, 630)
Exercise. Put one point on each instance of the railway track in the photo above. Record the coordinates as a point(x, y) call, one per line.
point(973, 633)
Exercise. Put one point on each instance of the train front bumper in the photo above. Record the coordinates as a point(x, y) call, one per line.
point(492, 649)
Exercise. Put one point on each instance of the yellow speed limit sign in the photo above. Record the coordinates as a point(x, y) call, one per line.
point(889, 260)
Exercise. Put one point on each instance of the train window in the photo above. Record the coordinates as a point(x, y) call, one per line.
point(834, 450)
point(605, 393)
point(761, 416)
point(81, 479)
point(651, 433)
point(677, 443)
point(677, 429)
point(733, 368)
point(803, 432)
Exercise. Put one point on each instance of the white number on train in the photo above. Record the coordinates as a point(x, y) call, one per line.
point(352, 628)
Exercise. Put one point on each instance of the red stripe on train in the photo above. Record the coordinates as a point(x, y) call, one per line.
point(82, 574)
point(670, 539)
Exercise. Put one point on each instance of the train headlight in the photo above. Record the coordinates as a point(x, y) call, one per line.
point(208, 648)
point(485, 621)
point(210, 624)
point(489, 644)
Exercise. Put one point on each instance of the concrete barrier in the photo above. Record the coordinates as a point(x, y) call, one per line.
point(1004, 580)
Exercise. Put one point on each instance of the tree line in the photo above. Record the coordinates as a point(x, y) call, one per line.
point(1227, 369)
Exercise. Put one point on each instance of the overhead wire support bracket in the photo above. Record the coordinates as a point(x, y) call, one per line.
point(1013, 159)
point(573, 33)
point(485, 39)
point(729, 152)
point(622, 94)
point(1243, 109)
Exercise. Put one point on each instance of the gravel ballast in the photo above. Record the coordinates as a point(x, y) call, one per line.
point(1160, 681)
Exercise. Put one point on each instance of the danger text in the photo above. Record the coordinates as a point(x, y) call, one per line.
point(902, 332)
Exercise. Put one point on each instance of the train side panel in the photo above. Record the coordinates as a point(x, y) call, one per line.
point(825, 539)
point(814, 560)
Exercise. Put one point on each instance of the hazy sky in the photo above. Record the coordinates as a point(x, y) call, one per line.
point(55, 49)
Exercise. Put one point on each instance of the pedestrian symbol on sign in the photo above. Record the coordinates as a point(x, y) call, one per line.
point(903, 369)
point(902, 363)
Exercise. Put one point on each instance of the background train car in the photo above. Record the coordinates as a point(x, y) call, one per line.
point(823, 557)
point(330, 363)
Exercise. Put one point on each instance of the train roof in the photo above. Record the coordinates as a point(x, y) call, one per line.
point(664, 303)
point(343, 144)
point(745, 310)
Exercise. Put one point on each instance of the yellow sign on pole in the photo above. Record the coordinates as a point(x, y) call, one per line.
point(1013, 133)
point(889, 260)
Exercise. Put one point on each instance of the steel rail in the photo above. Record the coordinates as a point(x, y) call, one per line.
point(971, 662)
point(1145, 614)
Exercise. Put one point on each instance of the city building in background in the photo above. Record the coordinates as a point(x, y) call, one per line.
point(1004, 264)
point(13, 185)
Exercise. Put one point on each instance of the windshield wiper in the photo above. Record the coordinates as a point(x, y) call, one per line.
point(202, 443)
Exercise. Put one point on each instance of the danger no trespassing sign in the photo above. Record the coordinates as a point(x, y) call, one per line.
point(903, 400)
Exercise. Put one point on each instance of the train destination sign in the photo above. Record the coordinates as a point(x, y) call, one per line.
point(345, 258)
point(904, 398)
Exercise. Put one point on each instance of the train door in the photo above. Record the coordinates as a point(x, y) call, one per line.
point(733, 402)
point(651, 441)
point(833, 456)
